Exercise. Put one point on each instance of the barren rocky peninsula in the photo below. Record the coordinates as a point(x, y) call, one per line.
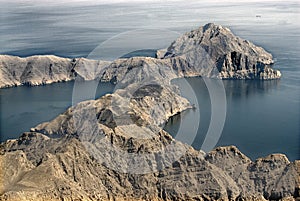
point(211, 51)
point(114, 148)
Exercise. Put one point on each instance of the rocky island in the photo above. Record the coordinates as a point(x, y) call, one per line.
point(114, 148)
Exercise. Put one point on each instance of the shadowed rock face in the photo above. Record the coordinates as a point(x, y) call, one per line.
point(211, 50)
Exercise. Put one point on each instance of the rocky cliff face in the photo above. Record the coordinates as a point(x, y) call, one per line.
point(39, 70)
point(36, 70)
point(211, 50)
point(234, 57)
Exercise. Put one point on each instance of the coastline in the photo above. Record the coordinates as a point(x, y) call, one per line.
point(121, 152)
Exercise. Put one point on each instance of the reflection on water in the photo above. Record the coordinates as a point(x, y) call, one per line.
point(257, 121)
point(244, 88)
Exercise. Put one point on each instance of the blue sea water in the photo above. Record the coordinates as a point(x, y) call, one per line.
point(262, 117)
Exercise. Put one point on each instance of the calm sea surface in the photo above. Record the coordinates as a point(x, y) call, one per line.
point(261, 117)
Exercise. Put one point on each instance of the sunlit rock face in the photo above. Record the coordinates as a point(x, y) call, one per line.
point(218, 47)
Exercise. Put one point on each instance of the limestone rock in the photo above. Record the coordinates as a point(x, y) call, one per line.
point(39, 70)
point(35, 70)
point(219, 48)
point(88, 69)
point(67, 170)
point(274, 176)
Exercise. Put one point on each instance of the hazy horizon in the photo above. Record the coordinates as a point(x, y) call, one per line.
point(29, 27)
point(99, 2)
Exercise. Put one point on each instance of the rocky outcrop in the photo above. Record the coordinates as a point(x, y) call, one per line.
point(35, 70)
point(40, 70)
point(139, 69)
point(63, 169)
point(149, 105)
point(274, 176)
point(211, 50)
point(218, 47)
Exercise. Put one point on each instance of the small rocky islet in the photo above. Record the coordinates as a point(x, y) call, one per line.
point(114, 148)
